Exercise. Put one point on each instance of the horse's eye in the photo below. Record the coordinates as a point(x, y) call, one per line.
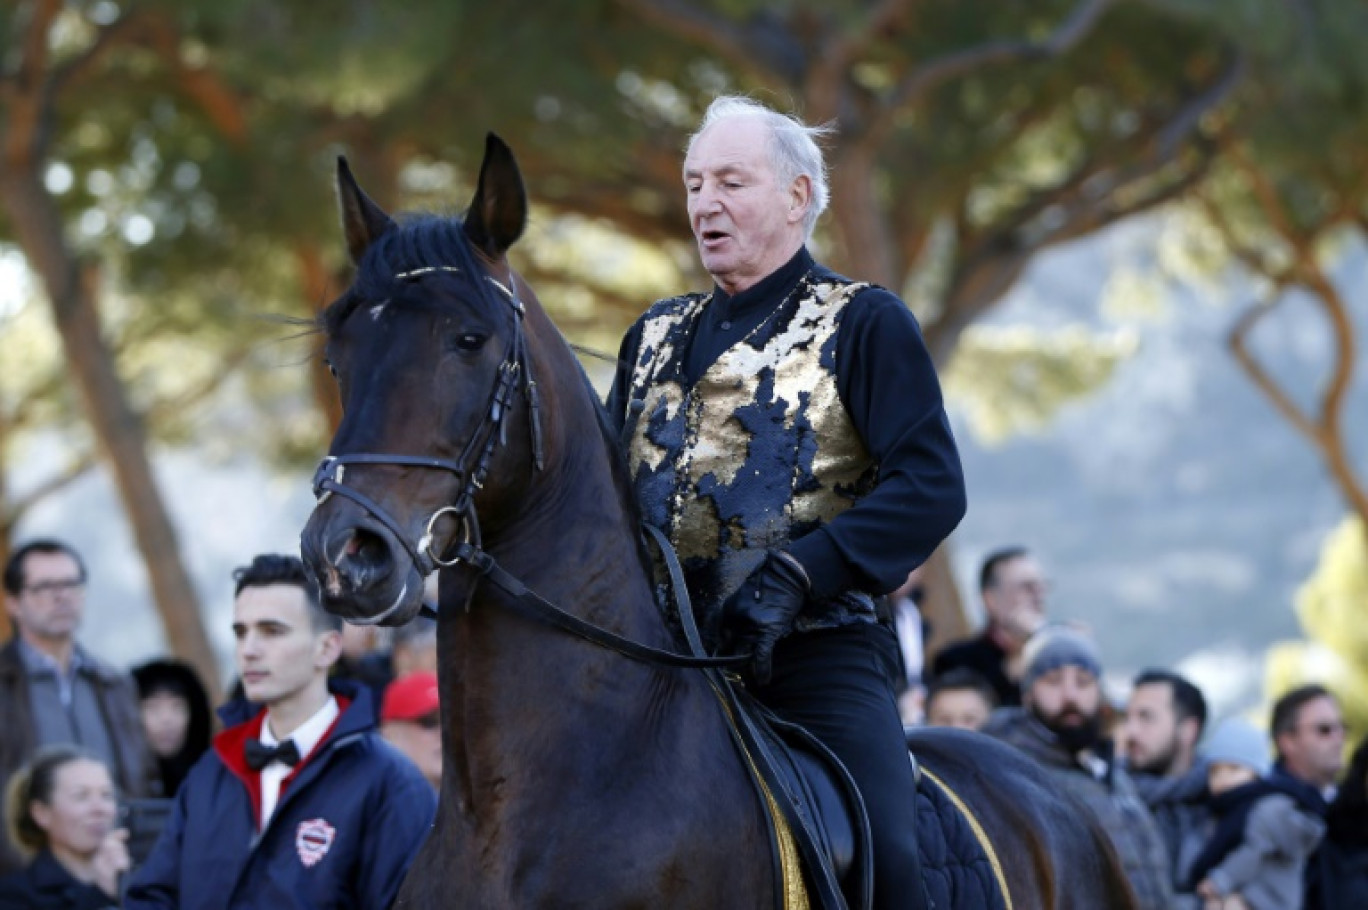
point(468, 342)
point(331, 369)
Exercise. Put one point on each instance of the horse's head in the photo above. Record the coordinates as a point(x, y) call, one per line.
point(429, 350)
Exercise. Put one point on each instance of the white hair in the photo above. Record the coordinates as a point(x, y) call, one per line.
point(793, 148)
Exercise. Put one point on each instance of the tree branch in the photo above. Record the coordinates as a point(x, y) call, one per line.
point(1110, 212)
point(165, 408)
point(74, 470)
point(1259, 376)
point(1250, 257)
point(1088, 197)
point(201, 83)
point(839, 54)
point(750, 49)
point(30, 95)
point(931, 75)
point(124, 32)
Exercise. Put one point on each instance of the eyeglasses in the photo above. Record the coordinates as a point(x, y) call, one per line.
point(429, 721)
point(1326, 728)
point(57, 585)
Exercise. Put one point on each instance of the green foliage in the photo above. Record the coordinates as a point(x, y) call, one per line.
point(1015, 380)
point(1330, 606)
point(200, 232)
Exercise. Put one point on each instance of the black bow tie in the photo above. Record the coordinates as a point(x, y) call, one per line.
point(259, 755)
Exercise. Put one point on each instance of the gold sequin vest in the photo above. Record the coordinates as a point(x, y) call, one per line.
point(758, 453)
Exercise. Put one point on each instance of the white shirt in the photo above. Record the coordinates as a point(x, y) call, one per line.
point(306, 737)
point(907, 624)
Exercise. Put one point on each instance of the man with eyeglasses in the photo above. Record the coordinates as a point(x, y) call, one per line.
point(54, 691)
point(1013, 588)
point(1308, 732)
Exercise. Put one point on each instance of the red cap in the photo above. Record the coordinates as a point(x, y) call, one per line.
point(410, 697)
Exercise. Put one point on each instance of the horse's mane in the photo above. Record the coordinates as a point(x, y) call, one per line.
point(617, 459)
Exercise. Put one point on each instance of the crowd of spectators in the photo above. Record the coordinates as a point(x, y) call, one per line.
point(316, 790)
point(1232, 818)
point(120, 792)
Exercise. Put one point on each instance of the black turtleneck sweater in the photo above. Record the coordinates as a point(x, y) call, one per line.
point(888, 385)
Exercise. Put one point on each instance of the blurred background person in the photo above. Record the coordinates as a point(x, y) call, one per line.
point(1060, 726)
point(1013, 588)
point(961, 698)
point(1260, 834)
point(61, 810)
point(410, 720)
point(1308, 734)
point(1337, 875)
point(365, 659)
point(1165, 717)
point(53, 690)
point(176, 719)
point(901, 612)
point(415, 647)
point(1164, 720)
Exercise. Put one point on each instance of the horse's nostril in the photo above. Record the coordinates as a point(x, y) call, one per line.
point(366, 550)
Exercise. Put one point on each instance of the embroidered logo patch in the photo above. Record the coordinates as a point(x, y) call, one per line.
point(313, 840)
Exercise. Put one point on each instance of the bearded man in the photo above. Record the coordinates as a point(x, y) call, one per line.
point(1059, 725)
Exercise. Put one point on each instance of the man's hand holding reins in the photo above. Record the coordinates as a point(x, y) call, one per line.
point(763, 609)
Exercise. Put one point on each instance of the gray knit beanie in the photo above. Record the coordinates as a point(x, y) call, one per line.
point(1238, 742)
point(1059, 646)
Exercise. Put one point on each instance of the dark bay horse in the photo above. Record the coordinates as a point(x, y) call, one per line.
point(574, 776)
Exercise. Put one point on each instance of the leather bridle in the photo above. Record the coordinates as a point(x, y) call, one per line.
point(493, 432)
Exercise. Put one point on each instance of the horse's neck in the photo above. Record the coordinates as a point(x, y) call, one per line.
point(526, 693)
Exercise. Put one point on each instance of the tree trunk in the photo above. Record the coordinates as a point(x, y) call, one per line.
point(868, 254)
point(40, 233)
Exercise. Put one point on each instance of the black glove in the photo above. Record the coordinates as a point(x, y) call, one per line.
point(763, 609)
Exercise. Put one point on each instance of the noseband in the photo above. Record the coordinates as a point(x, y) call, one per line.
point(492, 432)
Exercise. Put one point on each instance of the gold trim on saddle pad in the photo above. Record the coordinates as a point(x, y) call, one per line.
point(790, 865)
point(795, 891)
point(979, 833)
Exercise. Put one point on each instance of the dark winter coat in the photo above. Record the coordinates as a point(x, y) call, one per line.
point(1098, 782)
point(118, 704)
point(349, 821)
point(45, 884)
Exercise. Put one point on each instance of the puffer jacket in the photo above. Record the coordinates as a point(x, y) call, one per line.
point(1096, 781)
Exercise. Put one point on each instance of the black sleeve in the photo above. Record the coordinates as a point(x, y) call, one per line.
point(888, 385)
point(620, 393)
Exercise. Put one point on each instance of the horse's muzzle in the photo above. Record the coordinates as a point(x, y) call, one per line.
point(363, 574)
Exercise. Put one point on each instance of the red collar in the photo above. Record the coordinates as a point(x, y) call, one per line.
point(231, 746)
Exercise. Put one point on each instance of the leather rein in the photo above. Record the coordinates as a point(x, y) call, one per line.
point(493, 432)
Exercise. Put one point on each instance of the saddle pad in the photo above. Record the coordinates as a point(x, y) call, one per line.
point(958, 870)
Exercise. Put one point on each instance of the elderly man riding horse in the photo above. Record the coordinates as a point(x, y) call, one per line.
point(786, 431)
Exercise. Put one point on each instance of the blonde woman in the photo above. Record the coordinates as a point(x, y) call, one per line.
point(61, 811)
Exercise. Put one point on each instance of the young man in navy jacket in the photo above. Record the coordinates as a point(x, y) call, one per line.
point(299, 805)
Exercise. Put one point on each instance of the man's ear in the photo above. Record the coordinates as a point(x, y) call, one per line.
point(328, 649)
point(800, 198)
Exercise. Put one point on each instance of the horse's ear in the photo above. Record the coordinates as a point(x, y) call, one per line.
point(362, 220)
point(498, 213)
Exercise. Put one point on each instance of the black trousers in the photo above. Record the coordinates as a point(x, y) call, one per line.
point(838, 684)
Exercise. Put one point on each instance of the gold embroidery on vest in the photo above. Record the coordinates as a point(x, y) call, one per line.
point(711, 444)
